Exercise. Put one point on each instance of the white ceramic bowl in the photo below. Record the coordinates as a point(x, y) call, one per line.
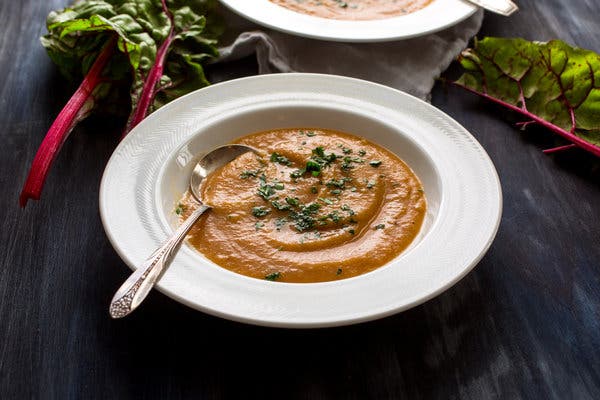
point(436, 16)
point(149, 171)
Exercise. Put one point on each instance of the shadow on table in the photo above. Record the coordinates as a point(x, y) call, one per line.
point(506, 142)
point(416, 353)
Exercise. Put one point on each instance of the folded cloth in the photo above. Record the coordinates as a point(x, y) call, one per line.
point(411, 65)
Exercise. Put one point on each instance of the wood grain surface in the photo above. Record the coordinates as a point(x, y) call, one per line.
point(525, 324)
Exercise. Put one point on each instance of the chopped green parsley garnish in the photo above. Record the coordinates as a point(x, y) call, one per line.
point(249, 173)
point(323, 159)
point(297, 173)
point(279, 223)
point(306, 236)
point(379, 226)
point(338, 183)
point(347, 208)
point(273, 276)
point(292, 201)
point(258, 225)
point(347, 162)
point(278, 158)
point(339, 271)
point(335, 216)
point(313, 167)
point(280, 206)
point(266, 190)
point(318, 160)
point(180, 209)
point(260, 211)
point(311, 133)
point(303, 219)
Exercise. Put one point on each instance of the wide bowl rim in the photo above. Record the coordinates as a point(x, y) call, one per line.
point(303, 322)
point(437, 16)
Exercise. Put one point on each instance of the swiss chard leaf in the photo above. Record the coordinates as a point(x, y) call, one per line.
point(76, 36)
point(552, 84)
point(151, 49)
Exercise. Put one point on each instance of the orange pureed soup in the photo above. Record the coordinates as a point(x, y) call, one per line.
point(318, 205)
point(354, 9)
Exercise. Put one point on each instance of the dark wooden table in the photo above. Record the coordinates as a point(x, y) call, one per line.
point(524, 324)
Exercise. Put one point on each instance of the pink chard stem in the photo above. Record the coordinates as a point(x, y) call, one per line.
point(156, 72)
point(574, 139)
point(559, 148)
point(73, 112)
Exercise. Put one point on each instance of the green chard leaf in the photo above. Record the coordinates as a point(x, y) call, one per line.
point(552, 84)
point(132, 55)
point(77, 33)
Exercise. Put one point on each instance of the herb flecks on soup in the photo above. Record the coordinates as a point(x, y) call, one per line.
point(318, 206)
point(354, 9)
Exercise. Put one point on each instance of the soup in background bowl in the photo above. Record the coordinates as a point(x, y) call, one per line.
point(354, 9)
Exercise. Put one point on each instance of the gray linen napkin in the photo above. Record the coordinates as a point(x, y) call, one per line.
point(410, 65)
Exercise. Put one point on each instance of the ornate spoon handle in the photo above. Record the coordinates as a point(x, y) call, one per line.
point(135, 289)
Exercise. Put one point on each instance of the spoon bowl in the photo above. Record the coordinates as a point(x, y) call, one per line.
point(213, 160)
point(135, 289)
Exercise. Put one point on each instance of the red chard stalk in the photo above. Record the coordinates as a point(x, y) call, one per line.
point(77, 108)
point(551, 84)
point(154, 47)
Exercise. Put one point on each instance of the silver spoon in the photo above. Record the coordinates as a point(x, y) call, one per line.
point(502, 7)
point(135, 289)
